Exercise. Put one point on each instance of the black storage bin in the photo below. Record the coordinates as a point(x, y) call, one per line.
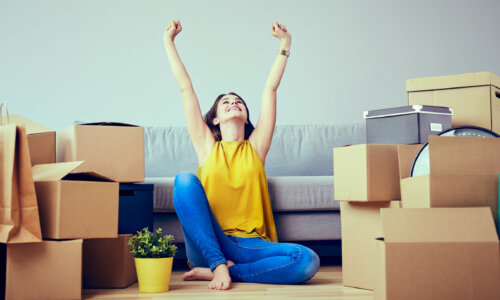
point(136, 207)
point(406, 124)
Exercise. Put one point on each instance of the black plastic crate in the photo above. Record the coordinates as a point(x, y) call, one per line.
point(136, 207)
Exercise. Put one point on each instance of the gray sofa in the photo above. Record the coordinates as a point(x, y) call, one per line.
point(299, 167)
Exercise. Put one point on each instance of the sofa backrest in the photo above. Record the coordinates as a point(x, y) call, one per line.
point(296, 150)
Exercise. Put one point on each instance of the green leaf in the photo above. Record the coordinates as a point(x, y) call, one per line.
point(145, 244)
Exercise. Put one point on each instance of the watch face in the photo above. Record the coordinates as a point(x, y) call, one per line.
point(421, 165)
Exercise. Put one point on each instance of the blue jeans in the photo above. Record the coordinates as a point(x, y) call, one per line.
point(256, 260)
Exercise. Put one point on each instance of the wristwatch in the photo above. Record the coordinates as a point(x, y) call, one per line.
point(285, 53)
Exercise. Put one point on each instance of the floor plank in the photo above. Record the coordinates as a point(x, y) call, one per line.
point(327, 284)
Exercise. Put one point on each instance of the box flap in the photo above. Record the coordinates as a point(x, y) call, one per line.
point(464, 155)
point(465, 224)
point(406, 156)
point(49, 172)
point(66, 171)
point(453, 81)
point(86, 176)
point(31, 127)
point(108, 124)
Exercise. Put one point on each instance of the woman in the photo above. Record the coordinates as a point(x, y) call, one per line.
point(225, 211)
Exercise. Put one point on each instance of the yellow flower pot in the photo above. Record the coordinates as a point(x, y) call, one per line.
point(153, 274)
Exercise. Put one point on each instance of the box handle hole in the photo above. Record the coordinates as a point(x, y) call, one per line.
point(127, 193)
point(497, 93)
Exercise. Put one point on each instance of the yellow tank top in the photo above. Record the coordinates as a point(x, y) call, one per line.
point(236, 186)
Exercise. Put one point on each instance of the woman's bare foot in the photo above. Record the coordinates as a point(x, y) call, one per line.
point(198, 274)
point(220, 279)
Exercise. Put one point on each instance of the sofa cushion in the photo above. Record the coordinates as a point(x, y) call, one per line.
point(168, 151)
point(301, 193)
point(287, 193)
point(306, 150)
point(162, 193)
point(296, 150)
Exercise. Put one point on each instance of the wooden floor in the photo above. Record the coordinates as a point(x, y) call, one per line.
point(327, 284)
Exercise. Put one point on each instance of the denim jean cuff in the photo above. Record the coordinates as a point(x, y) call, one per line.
point(216, 263)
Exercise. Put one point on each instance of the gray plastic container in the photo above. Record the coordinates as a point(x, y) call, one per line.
point(406, 124)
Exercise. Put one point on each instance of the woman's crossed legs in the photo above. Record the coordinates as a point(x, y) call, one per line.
point(211, 252)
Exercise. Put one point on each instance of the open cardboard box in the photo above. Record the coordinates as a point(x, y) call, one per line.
point(75, 205)
point(114, 150)
point(366, 172)
point(474, 97)
point(107, 263)
point(41, 140)
point(46, 270)
point(438, 253)
point(463, 173)
point(360, 223)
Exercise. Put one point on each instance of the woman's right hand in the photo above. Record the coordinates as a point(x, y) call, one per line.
point(173, 28)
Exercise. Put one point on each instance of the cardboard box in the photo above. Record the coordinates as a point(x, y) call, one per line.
point(41, 140)
point(406, 124)
point(406, 157)
point(361, 225)
point(136, 207)
point(75, 205)
point(114, 150)
point(438, 253)
point(464, 173)
point(107, 263)
point(46, 270)
point(366, 172)
point(474, 97)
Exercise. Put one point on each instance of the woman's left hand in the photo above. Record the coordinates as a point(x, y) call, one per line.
point(279, 31)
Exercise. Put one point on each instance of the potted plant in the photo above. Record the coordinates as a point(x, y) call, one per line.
point(153, 255)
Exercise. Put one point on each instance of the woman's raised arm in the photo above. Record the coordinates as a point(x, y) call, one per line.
point(199, 132)
point(263, 133)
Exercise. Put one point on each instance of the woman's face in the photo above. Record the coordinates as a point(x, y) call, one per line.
point(230, 107)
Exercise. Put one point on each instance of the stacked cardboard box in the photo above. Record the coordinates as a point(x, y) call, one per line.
point(360, 223)
point(474, 97)
point(464, 173)
point(115, 151)
point(41, 140)
point(46, 270)
point(442, 243)
point(75, 205)
point(50, 269)
point(366, 180)
point(107, 263)
point(78, 203)
point(438, 253)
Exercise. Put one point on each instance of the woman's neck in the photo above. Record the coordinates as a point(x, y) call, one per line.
point(232, 131)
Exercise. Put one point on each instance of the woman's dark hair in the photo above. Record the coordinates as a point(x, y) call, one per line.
point(212, 114)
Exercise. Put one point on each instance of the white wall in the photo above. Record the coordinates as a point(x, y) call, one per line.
point(67, 60)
